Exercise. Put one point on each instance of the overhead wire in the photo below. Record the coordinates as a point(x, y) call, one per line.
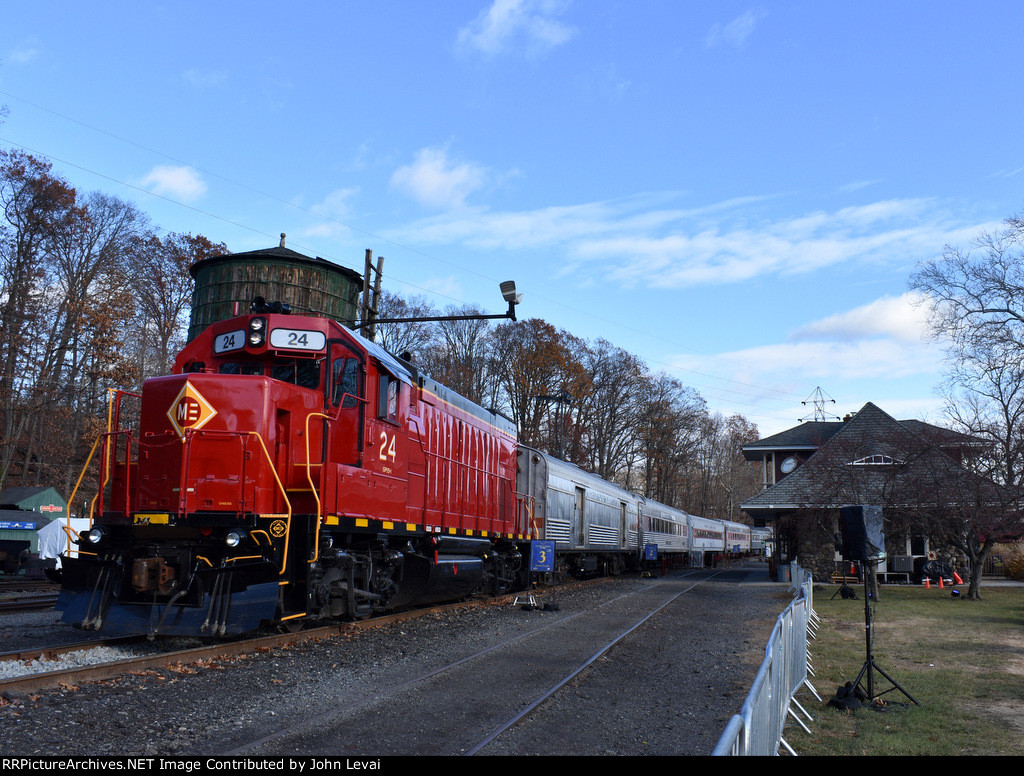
point(783, 395)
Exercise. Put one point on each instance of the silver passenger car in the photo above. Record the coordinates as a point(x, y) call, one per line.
point(594, 523)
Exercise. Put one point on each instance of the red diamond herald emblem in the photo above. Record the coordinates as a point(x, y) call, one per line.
point(189, 410)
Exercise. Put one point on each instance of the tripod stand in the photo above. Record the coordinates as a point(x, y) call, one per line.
point(870, 666)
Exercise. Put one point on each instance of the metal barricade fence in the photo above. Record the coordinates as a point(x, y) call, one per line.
point(757, 729)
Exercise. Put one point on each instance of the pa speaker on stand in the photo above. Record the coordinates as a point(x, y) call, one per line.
point(864, 541)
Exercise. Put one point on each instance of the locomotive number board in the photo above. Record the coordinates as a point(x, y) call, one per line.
point(233, 340)
point(297, 339)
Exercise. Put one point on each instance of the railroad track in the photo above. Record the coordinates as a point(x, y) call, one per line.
point(110, 669)
point(27, 603)
point(293, 734)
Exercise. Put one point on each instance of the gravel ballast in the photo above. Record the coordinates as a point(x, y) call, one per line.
point(667, 688)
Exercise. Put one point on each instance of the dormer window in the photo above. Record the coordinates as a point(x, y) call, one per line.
point(875, 460)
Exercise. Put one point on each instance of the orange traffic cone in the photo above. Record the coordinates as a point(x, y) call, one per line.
point(927, 582)
point(957, 578)
point(940, 582)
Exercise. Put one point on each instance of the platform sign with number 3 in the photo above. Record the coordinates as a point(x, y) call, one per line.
point(542, 556)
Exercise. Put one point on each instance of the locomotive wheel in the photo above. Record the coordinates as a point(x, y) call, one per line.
point(291, 626)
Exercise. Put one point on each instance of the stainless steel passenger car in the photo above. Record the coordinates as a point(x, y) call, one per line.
point(599, 527)
point(737, 538)
point(665, 527)
point(594, 523)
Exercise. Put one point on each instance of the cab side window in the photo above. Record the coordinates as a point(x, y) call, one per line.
point(387, 398)
point(345, 382)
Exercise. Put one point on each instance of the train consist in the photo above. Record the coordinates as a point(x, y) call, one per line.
point(290, 470)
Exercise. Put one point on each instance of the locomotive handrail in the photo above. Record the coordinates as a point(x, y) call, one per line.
point(309, 476)
point(284, 495)
point(85, 468)
point(190, 433)
point(113, 428)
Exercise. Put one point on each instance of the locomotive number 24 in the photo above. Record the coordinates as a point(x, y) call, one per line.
point(387, 447)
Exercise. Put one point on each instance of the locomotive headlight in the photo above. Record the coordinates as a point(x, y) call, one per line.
point(94, 535)
point(234, 538)
point(257, 331)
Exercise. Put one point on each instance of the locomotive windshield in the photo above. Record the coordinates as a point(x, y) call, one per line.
point(301, 372)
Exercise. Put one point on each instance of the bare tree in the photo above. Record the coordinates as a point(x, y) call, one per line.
point(412, 338)
point(163, 284)
point(459, 356)
point(976, 303)
point(608, 406)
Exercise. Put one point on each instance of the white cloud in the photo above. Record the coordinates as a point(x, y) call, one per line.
point(902, 318)
point(203, 79)
point(333, 209)
point(25, 52)
point(435, 181)
point(869, 358)
point(639, 241)
point(736, 32)
point(183, 183)
point(529, 26)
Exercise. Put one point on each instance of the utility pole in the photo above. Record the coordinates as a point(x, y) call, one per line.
point(371, 299)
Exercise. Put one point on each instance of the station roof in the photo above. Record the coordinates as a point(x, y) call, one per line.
point(870, 436)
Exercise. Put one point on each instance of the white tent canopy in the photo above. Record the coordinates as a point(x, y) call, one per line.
point(54, 540)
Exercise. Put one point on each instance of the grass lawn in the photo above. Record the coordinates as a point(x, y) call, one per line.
point(963, 661)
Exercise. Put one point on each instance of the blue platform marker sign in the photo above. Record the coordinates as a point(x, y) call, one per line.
point(650, 552)
point(542, 556)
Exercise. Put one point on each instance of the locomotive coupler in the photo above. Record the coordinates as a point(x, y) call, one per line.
point(154, 575)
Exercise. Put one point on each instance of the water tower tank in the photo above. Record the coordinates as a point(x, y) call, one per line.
point(226, 286)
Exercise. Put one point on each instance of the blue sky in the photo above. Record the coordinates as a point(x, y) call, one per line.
point(736, 192)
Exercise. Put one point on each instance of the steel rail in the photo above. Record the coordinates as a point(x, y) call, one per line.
point(514, 720)
point(28, 602)
point(115, 668)
point(46, 653)
point(322, 721)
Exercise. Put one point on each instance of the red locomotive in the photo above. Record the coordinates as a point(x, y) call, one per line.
point(289, 468)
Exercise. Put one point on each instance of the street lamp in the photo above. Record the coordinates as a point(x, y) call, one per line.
point(508, 292)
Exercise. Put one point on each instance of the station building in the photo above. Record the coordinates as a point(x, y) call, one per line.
point(811, 470)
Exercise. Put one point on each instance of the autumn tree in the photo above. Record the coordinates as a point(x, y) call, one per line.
point(90, 300)
point(32, 200)
point(531, 359)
